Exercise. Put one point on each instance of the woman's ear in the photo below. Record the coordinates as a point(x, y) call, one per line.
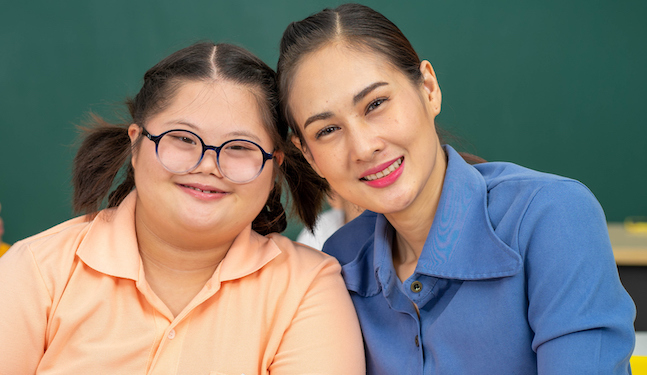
point(306, 154)
point(430, 85)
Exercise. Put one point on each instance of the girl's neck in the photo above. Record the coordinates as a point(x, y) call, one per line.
point(180, 250)
point(176, 271)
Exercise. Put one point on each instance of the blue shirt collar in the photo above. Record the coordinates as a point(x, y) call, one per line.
point(461, 243)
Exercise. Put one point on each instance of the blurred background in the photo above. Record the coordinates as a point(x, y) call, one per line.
point(556, 86)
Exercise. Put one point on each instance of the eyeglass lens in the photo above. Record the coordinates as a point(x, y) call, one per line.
point(180, 152)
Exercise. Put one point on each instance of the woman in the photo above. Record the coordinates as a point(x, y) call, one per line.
point(455, 268)
point(182, 273)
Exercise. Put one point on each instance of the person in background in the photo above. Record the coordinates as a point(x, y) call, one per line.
point(184, 272)
point(3, 246)
point(341, 212)
point(457, 266)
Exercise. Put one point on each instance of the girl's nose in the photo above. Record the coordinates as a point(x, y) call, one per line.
point(209, 164)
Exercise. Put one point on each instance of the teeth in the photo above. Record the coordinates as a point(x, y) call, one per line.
point(202, 191)
point(385, 172)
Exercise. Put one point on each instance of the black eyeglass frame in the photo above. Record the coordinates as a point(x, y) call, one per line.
point(156, 138)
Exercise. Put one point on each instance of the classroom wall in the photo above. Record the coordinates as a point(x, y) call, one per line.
point(556, 86)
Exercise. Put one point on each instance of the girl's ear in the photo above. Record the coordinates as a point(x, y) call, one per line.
point(134, 131)
point(279, 156)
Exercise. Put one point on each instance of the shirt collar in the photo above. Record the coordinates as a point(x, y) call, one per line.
point(110, 246)
point(249, 253)
point(461, 243)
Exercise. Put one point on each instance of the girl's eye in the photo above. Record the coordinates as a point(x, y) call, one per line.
point(375, 103)
point(325, 131)
point(181, 139)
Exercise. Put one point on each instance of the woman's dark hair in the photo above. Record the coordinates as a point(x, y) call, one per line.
point(106, 148)
point(358, 27)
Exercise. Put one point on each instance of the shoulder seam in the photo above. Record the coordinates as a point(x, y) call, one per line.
point(40, 274)
point(534, 195)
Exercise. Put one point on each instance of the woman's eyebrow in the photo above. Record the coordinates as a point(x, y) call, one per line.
point(356, 99)
point(317, 117)
point(366, 91)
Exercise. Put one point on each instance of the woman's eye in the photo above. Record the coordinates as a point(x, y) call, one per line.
point(375, 103)
point(325, 131)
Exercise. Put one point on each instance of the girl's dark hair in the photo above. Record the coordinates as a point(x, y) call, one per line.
point(359, 27)
point(106, 148)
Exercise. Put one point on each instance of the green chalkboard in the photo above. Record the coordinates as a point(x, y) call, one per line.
point(556, 86)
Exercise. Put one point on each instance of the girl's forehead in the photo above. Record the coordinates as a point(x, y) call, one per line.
point(214, 108)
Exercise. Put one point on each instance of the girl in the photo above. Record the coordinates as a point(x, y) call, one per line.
point(182, 273)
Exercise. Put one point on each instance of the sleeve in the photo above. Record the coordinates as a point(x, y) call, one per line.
point(23, 312)
point(581, 314)
point(324, 336)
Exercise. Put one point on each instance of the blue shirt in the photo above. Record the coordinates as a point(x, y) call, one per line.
point(516, 276)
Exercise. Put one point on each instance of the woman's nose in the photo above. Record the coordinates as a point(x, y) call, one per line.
point(365, 142)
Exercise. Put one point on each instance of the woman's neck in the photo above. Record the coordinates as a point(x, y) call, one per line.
point(413, 224)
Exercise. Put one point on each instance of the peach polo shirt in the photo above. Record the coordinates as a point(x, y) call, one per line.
point(75, 301)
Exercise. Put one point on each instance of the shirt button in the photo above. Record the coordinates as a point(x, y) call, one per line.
point(417, 342)
point(171, 334)
point(416, 286)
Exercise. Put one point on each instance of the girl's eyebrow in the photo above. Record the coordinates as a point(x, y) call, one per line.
point(244, 134)
point(182, 122)
point(236, 133)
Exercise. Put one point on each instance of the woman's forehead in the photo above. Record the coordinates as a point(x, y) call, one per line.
point(338, 73)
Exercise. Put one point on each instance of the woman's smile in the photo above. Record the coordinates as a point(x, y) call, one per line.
point(379, 147)
point(369, 176)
